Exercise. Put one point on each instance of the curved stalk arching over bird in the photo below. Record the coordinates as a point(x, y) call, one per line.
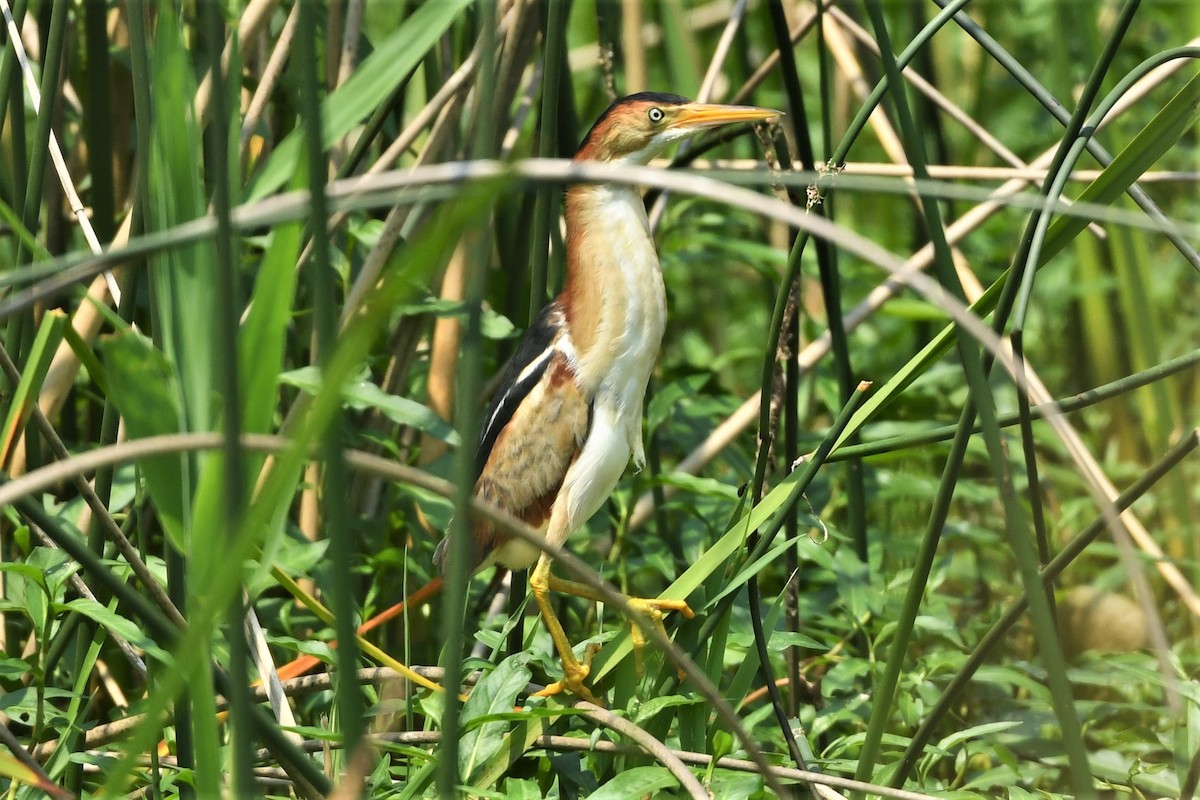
point(567, 416)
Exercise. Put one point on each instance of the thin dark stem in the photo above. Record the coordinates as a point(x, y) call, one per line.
point(791, 451)
point(96, 119)
point(548, 146)
point(40, 148)
point(1187, 789)
point(1038, 513)
point(227, 303)
point(476, 242)
point(336, 519)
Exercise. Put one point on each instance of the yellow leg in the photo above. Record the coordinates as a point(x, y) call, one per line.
point(542, 582)
point(574, 671)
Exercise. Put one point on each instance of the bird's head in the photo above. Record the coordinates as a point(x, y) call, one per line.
point(636, 128)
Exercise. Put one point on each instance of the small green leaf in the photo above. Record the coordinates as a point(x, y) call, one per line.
point(977, 732)
point(784, 640)
point(654, 705)
point(309, 647)
point(522, 789)
point(364, 394)
point(705, 487)
point(11, 668)
point(55, 566)
point(22, 704)
point(492, 324)
point(114, 622)
point(664, 400)
point(27, 570)
point(729, 785)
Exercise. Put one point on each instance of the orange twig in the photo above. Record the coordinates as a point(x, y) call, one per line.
point(304, 663)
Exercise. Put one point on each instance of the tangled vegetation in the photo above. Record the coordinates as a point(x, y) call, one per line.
point(926, 402)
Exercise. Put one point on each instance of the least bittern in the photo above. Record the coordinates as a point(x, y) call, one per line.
point(567, 416)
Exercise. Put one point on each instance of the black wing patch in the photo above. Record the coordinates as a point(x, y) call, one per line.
point(523, 373)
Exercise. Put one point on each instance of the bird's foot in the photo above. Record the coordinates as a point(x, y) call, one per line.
point(653, 608)
point(574, 673)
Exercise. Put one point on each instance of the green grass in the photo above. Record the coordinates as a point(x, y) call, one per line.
point(262, 432)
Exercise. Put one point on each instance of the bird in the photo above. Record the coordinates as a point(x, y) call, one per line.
point(566, 418)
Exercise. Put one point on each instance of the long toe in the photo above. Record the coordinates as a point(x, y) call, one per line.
point(572, 681)
point(651, 604)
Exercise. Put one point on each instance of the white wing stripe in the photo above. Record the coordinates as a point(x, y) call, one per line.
point(534, 366)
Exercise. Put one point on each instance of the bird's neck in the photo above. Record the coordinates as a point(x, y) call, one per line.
point(614, 301)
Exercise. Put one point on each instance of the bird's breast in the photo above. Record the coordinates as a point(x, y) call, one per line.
point(615, 301)
point(615, 298)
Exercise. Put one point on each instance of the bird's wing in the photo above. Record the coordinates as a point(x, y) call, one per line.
point(524, 371)
point(533, 429)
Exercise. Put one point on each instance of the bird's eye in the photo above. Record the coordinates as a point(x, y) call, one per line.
point(655, 114)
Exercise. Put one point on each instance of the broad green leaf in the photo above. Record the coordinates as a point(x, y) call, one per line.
point(310, 647)
point(55, 566)
point(730, 785)
point(784, 640)
point(636, 782)
point(697, 486)
point(664, 400)
point(373, 82)
point(912, 309)
point(263, 335)
point(261, 343)
point(523, 714)
point(22, 704)
point(514, 745)
point(29, 571)
point(495, 693)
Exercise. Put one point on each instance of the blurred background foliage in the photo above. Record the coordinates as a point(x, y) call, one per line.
point(144, 591)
